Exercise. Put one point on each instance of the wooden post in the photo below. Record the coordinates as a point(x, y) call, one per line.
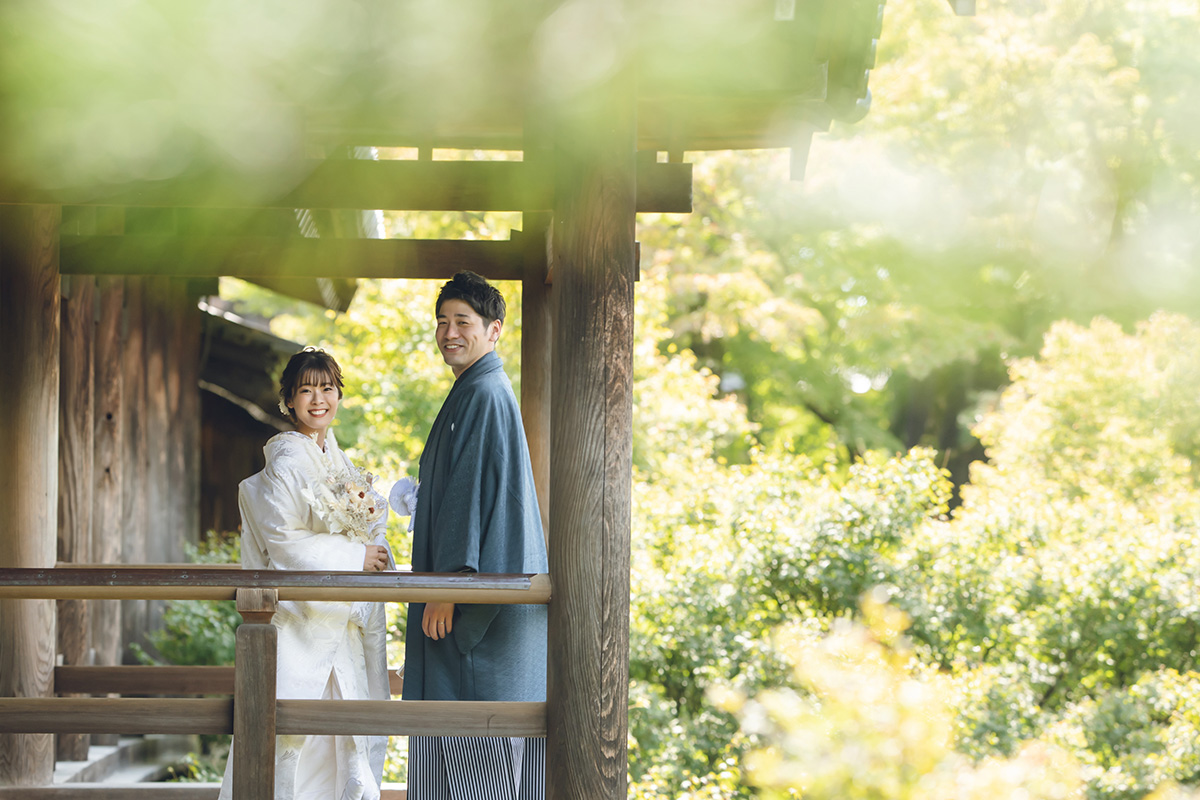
point(591, 437)
point(108, 452)
point(254, 696)
point(134, 491)
point(537, 331)
point(29, 318)
point(75, 480)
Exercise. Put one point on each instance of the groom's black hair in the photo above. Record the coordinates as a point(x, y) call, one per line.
point(476, 292)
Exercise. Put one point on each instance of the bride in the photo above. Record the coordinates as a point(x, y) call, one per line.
point(297, 515)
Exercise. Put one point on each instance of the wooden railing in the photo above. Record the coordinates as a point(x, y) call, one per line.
point(253, 715)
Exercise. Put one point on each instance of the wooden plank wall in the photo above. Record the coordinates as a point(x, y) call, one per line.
point(76, 444)
point(129, 437)
point(108, 470)
point(160, 421)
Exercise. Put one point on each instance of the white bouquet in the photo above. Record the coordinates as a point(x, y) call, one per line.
point(345, 501)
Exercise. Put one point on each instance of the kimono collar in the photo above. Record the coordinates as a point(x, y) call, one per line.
point(485, 365)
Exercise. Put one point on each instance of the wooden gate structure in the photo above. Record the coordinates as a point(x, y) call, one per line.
point(148, 148)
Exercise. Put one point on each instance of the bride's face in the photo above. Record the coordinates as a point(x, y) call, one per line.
point(315, 406)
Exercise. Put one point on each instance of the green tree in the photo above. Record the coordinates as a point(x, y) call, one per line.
point(1036, 163)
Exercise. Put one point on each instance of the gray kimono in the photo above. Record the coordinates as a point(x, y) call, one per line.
point(477, 512)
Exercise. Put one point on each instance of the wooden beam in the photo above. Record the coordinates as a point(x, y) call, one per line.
point(269, 256)
point(361, 184)
point(29, 327)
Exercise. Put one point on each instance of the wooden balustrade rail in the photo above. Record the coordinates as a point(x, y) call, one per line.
point(105, 582)
point(299, 717)
point(132, 681)
point(254, 715)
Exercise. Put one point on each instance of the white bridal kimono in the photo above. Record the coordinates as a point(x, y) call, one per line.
point(326, 649)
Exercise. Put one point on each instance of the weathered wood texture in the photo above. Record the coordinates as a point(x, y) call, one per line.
point(591, 444)
point(537, 331)
point(411, 718)
point(253, 751)
point(117, 715)
point(76, 444)
point(29, 327)
point(135, 456)
point(158, 532)
point(221, 583)
point(118, 791)
point(133, 681)
point(108, 469)
point(190, 352)
point(210, 715)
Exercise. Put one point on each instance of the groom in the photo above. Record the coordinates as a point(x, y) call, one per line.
point(476, 511)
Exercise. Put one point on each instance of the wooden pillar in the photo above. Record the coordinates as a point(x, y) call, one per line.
point(75, 481)
point(254, 696)
point(134, 454)
point(29, 318)
point(537, 332)
point(108, 470)
point(591, 437)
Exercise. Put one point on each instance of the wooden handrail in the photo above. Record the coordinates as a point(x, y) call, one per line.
point(105, 582)
point(254, 715)
point(294, 717)
point(133, 680)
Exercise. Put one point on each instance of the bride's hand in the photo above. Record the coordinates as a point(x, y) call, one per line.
point(376, 558)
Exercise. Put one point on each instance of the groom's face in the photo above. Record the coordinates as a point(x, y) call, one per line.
point(463, 336)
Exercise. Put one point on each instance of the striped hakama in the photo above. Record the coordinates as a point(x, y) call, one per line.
point(476, 768)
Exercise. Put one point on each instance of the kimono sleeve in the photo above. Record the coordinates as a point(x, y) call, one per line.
point(278, 522)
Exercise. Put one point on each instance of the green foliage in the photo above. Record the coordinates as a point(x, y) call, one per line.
point(1053, 615)
point(198, 632)
point(864, 719)
point(1134, 740)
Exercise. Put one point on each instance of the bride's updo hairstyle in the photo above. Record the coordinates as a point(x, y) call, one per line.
point(309, 366)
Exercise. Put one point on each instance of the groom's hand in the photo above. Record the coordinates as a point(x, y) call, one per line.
point(438, 620)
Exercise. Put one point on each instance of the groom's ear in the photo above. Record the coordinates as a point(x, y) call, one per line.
point(494, 333)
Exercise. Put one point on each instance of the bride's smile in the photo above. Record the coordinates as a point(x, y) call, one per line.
point(315, 406)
